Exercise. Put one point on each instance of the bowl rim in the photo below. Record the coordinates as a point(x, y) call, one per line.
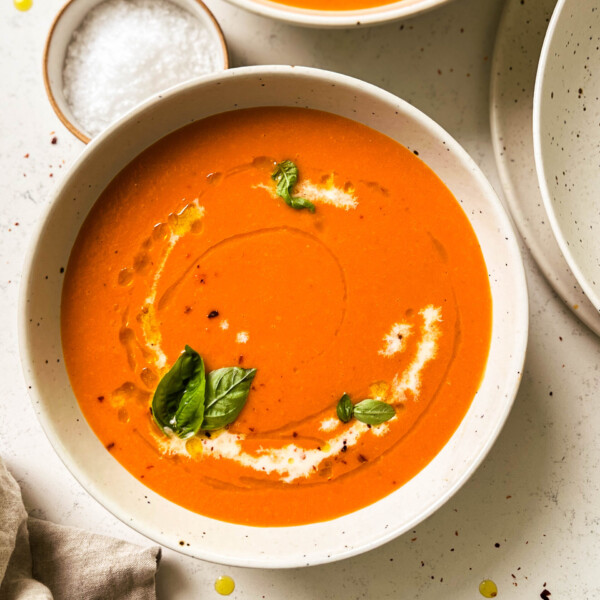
point(591, 293)
point(384, 13)
point(74, 127)
point(321, 556)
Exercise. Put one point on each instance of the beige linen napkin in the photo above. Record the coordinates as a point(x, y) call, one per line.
point(43, 561)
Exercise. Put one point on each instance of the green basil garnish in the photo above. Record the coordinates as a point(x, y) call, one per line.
point(226, 393)
point(286, 176)
point(373, 412)
point(187, 401)
point(178, 402)
point(344, 409)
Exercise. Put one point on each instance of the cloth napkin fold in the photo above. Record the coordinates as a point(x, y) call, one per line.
point(43, 561)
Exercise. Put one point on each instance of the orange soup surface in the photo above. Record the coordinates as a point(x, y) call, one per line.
point(335, 5)
point(380, 293)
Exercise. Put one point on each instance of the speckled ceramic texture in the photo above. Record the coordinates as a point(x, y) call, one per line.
point(194, 534)
point(395, 11)
point(518, 45)
point(566, 128)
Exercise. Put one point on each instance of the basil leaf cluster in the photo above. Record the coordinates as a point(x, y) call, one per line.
point(371, 412)
point(187, 400)
point(286, 176)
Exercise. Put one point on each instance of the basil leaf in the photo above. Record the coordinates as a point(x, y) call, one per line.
point(286, 176)
point(373, 412)
point(344, 409)
point(226, 392)
point(178, 402)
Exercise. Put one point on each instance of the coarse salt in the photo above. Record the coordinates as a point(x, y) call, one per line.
point(127, 50)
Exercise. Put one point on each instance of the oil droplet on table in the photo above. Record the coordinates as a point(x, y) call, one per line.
point(224, 585)
point(488, 589)
point(23, 5)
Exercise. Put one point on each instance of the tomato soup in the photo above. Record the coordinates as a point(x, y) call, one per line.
point(379, 291)
point(335, 5)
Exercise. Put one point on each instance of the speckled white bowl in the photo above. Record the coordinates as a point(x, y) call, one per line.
point(402, 9)
point(69, 19)
point(566, 135)
point(160, 519)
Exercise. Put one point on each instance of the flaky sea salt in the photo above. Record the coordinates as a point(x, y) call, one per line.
point(127, 50)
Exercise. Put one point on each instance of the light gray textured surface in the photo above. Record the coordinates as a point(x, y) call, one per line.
point(537, 495)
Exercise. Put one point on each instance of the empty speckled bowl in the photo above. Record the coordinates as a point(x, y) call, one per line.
point(69, 19)
point(125, 495)
point(566, 129)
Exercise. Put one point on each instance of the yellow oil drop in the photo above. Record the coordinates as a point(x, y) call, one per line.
point(149, 378)
point(197, 226)
point(141, 262)
point(488, 589)
point(214, 178)
point(326, 447)
point(194, 447)
point(183, 222)
point(127, 393)
point(125, 277)
point(264, 162)
point(160, 231)
point(23, 5)
point(379, 390)
point(224, 585)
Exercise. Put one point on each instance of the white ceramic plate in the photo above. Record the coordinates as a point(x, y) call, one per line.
point(156, 517)
point(339, 18)
point(516, 54)
point(566, 135)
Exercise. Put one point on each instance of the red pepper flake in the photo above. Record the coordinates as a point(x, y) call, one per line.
point(150, 467)
point(100, 398)
point(362, 458)
point(295, 434)
point(544, 595)
point(240, 359)
point(54, 140)
point(110, 446)
point(27, 155)
point(187, 309)
point(212, 314)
